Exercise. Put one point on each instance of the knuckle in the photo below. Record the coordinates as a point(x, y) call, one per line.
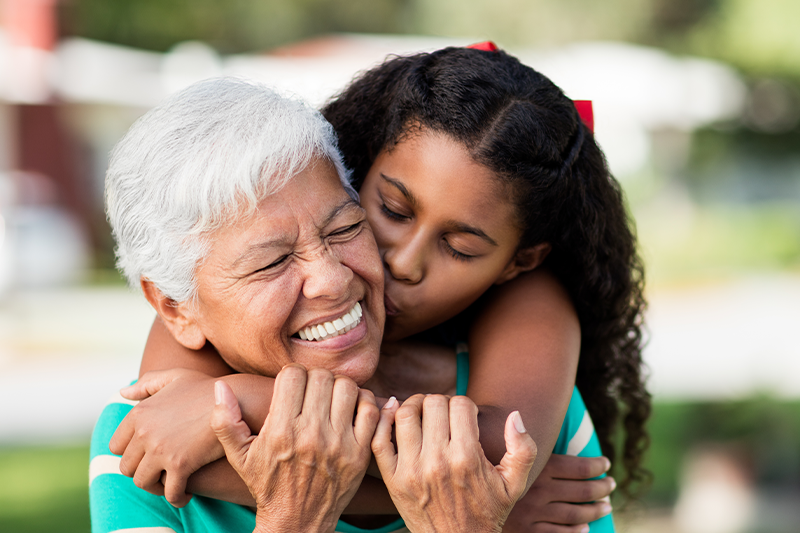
point(178, 463)
point(462, 403)
point(434, 400)
point(140, 482)
point(368, 394)
point(346, 385)
point(281, 439)
point(125, 469)
point(574, 515)
point(293, 371)
point(371, 413)
point(406, 412)
point(320, 375)
point(436, 470)
point(463, 463)
point(584, 469)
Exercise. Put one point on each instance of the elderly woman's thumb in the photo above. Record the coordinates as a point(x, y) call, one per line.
point(520, 455)
point(226, 421)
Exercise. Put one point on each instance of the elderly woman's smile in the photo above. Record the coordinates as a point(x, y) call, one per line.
point(305, 261)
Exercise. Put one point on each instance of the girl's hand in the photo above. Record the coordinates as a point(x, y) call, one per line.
point(559, 500)
point(152, 382)
point(439, 478)
point(310, 456)
point(155, 436)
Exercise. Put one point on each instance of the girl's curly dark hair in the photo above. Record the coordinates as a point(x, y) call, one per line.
point(517, 123)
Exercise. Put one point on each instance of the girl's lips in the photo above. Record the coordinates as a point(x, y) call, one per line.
point(391, 308)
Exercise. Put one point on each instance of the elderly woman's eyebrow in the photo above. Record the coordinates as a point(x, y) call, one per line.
point(336, 211)
point(253, 250)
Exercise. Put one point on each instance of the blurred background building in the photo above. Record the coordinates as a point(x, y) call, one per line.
point(697, 106)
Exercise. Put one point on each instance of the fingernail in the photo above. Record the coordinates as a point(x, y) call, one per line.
point(585, 529)
point(391, 403)
point(613, 483)
point(606, 508)
point(606, 499)
point(518, 425)
point(218, 392)
point(608, 464)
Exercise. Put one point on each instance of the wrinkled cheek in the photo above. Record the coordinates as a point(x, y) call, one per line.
point(365, 261)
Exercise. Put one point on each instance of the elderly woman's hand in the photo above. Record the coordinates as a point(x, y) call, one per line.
point(439, 478)
point(311, 454)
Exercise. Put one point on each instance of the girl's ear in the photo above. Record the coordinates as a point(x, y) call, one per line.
point(179, 318)
point(524, 260)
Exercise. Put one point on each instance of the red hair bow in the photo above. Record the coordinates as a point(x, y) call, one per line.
point(486, 46)
point(586, 112)
point(584, 107)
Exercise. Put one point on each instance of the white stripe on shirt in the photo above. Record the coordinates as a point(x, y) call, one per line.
point(582, 437)
point(103, 464)
point(118, 398)
point(145, 530)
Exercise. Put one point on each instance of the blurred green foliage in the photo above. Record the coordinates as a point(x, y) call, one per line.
point(44, 489)
point(764, 430)
point(231, 26)
point(757, 35)
point(720, 241)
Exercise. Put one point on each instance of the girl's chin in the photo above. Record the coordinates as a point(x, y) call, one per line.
point(393, 331)
point(397, 330)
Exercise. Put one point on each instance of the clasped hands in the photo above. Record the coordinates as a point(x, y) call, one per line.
point(152, 441)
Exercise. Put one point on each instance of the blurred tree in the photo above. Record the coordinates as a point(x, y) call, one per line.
point(534, 22)
point(232, 26)
point(758, 35)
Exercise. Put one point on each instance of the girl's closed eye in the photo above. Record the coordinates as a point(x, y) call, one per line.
point(392, 214)
point(459, 256)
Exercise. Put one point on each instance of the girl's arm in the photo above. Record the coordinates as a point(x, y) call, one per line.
point(523, 353)
point(183, 405)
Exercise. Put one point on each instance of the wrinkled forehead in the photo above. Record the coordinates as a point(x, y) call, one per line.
point(306, 203)
point(319, 176)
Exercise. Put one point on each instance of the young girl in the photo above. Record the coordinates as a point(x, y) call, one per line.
point(474, 171)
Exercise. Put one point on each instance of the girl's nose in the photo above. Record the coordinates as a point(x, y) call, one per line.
point(405, 259)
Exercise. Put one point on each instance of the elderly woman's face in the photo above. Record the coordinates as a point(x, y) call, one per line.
point(302, 262)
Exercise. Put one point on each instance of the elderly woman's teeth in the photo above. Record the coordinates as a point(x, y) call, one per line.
point(337, 327)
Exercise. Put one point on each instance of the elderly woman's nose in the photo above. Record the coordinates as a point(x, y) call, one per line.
point(326, 277)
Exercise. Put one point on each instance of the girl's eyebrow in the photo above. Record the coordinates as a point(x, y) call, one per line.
point(402, 188)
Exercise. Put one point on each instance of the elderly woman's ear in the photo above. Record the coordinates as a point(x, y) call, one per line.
point(178, 317)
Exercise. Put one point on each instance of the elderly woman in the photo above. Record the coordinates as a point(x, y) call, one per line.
point(242, 233)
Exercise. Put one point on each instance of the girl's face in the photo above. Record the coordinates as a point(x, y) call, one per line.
point(445, 228)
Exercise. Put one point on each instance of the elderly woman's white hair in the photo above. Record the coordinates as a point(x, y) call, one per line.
point(203, 156)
